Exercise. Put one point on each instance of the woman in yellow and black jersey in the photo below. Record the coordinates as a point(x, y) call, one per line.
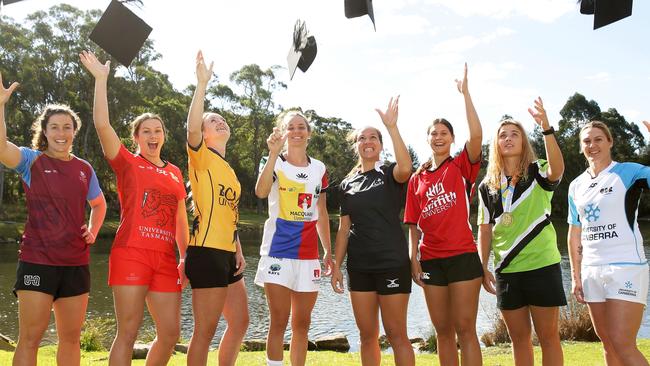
point(214, 263)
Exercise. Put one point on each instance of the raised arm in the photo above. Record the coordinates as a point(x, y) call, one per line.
point(9, 153)
point(402, 171)
point(553, 152)
point(107, 136)
point(265, 179)
point(323, 229)
point(340, 250)
point(475, 131)
point(575, 259)
point(195, 117)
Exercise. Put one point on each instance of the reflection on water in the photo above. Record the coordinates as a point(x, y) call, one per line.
point(332, 314)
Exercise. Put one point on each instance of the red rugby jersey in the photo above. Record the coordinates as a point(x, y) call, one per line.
point(149, 198)
point(438, 203)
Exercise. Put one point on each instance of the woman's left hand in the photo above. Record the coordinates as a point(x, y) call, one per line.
point(462, 85)
point(647, 125)
point(240, 263)
point(539, 114)
point(87, 235)
point(389, 117)
point(327, 262)
point(181, 273)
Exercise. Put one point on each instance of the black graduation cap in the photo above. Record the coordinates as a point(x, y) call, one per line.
point(606, 11)
point(359, 8)
point(120, 32)
point(303, 49)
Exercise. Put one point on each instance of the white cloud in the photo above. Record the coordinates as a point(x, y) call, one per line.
point(599, 77)
point(545, 11)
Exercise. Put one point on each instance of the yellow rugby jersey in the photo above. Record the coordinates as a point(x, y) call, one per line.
point(216, 192)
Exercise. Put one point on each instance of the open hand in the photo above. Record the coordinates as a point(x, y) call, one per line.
point(92, 64)
point(462, 86)
point(389, 117)
point(539, 114)
point(203, 73)
point(6, 93)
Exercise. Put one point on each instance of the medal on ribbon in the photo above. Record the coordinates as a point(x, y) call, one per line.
point(507, 192)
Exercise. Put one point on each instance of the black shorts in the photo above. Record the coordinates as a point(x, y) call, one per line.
point(539, 287)
point(389, 282)
point(210, 267)
point(58, 281)
point(443, 271)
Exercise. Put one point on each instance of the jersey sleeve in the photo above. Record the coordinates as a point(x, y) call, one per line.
point(325, 183)
point(197, 156)
point(121, 160)
point(344, 199)
point(542, 176)
point(27, 157)
point(573, 217)
point(93, 186)
point(412, 209)
point(468, 169)
point(181, 194)
point(263, 162)
point(484, 216)
point(642, 176)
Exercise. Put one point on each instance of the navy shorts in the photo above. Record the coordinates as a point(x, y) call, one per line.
point(210, 267)
point(58, 281)
point(389, 282)
point(443, 271)
point(539, 287)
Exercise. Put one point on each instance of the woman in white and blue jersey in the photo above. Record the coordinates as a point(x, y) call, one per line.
point(609, 267)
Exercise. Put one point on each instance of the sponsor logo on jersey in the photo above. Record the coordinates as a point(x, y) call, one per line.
point(32, 280)
point(304, 200)
point(392, 283)
point(627, 291)
point(83, 178)
point(302, 176)
point(274, 269)
point(425, 276)
point(438, 200)
point(606, 190)
point(317, 273)
point(592, 212)
point(51, 171)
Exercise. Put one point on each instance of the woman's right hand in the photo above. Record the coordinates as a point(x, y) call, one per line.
point(91, 63)
point(416, 272)
point(276, 141)
point(203, 73)
point(576, 289)
point(6, 93)
point(337, 280)
point(489, 283)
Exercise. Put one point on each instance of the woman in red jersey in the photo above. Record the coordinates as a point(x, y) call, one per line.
point(444, 257)
point(142, 264)
point(53, 258)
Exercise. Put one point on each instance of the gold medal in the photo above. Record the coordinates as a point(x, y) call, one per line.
point(506, 219)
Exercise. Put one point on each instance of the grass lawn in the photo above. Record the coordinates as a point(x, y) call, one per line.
point(575, 353)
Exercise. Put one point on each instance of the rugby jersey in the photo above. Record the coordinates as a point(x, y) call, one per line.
point(605, 208)
point(149, 198)
point(216, 192)
point(56, 192)
point(530, 241)
point(437, 201)
point(290, 230)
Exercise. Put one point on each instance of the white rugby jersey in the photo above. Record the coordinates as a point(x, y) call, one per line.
point(605, 207)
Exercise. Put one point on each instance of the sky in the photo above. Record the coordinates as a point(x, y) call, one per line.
point(516, 50)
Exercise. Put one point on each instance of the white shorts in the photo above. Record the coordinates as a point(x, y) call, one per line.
point(611, 281)
point(301, 275)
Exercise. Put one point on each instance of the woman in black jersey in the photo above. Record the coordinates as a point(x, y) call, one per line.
point(379, 274)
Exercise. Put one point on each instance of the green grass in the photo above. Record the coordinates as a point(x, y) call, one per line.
point(575, 353)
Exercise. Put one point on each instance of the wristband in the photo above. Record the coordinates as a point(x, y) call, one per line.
point(182, 260)
point(550, 131)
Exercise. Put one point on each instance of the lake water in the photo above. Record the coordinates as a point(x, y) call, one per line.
point(332, 314)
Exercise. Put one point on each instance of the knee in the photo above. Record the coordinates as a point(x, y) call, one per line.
point(30, 340)
point(69, 337)
point(623, 345)
point(519, 337)
point(466, 329)
point(300, 324)
point(368, 336)
point(548, 337)
point(396, 336)
point(240, 324)
point(278, 322)
point(445, 331)
point(168, 335)
point(126, 336)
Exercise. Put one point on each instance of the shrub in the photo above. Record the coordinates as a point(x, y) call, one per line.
point(97, 334)
point(575, 323)
point(498, 334)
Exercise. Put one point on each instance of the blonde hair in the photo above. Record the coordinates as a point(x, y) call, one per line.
point(601, 126)
point(352, 139)
point(137, 122)
point(39, 141)
point(496, 164)
point(285, 117)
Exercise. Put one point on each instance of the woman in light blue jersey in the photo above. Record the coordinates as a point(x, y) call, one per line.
point(609, 268)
